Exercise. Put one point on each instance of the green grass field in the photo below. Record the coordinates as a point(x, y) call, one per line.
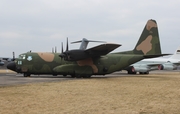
point(134, 94)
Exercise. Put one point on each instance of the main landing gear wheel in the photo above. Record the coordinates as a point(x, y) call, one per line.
point(87, 76)
point(131, 72)
point(27, 75)
point(144, 72)
point(73, 76)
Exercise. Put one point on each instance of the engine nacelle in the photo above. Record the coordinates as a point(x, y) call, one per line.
point(140, 69)
point(74, 55)
point(167, 67)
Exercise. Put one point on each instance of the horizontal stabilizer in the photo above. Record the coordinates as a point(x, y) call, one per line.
point(153, 56)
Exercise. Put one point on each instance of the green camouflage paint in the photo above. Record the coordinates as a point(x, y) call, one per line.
point(51, 63)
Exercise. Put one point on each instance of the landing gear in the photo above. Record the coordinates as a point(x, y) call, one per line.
point(131, 72)
point(87, 76)
point(73, 76)
point(80, 76)
point(27, 75)
point(64, 75)
point(144, 72)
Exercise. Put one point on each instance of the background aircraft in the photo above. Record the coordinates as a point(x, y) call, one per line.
point(93, 61)
point(146, 65)
point(84, 43)
point(4, 60)
point(1, 63)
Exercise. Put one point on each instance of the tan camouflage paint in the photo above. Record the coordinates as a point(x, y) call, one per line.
point(44, 63)
point(150, 24)
point(146, 45)
point(48, 57)
point(88, 62)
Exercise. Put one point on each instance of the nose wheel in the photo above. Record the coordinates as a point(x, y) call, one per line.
point(27, 75)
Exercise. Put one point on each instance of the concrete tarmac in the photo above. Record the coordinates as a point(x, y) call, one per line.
point(10, 78)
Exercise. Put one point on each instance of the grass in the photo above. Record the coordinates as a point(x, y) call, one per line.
point(139, 94)
point(6, 71)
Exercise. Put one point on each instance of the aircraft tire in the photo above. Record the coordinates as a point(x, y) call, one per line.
point(64, 75)
point(27, 75)
point(146, 72)
point(72, 76)
point(78, 76)
point(129, 72)
point(134, 72)
point(87, 76)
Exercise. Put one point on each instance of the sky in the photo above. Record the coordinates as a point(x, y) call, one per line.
point(40, 25)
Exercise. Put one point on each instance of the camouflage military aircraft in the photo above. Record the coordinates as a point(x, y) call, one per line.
point(92, 61)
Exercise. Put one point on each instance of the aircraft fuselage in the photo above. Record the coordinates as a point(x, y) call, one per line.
point(51, 63)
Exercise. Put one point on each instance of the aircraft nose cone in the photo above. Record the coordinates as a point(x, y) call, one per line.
point(12, 66)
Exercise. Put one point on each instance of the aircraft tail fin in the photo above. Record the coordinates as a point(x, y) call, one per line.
point(84, 43)
point(176, 55)
point(148, 43)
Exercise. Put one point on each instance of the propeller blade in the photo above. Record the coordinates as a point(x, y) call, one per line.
point(61, 47)
point(13, 56)
point(55, 49)
point(67, 45)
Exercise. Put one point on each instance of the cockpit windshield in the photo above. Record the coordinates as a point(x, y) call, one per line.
point(22, 56)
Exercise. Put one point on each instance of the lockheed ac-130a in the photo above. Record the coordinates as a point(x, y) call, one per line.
point(93, 61)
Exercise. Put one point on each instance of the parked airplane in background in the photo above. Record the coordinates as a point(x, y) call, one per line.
point(84, 43)
point(3, 60)
point(1, 63)
point(146, 65)
point(93, 61)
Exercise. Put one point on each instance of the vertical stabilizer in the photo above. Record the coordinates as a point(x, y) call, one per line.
point(176, 55)
point(149, 42)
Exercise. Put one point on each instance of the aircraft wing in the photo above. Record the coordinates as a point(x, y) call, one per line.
point(154, 64)
point(102, 49)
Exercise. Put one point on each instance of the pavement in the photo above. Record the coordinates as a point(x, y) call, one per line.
point(9, 78)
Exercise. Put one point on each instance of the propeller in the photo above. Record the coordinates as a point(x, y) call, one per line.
point(63, 54)
point(13, 56)
point(67, 45)
point(55, 49)
point(61, 47)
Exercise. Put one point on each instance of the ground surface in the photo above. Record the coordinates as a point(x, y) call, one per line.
point(157, 93)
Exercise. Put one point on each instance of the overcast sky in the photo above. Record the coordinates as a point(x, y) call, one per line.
point(39, 25)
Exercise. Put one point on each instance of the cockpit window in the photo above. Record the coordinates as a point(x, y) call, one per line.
point(22, 56)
